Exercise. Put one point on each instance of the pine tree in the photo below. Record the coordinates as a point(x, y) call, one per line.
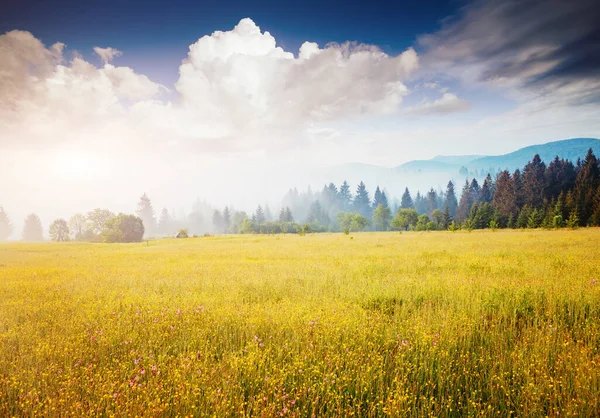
point(451, 201)
point(466, 202)
point(164, 223)
point(376, 198)
point(226, 220)
point(486, 193)
point(362, 203)
point(259, 216)
point(32, 229)
point(145, 212)
point(504, 198)
point(431, 201)
point(288, 215)
point(345, 197)
point(6, 227)
point(474, 187)
point(534, 183)
point(447, 219)
point(406, 202)
point(420, 204)
point(217, 220)
point(588, 180)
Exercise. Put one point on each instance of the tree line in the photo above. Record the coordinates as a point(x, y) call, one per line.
point(559, 194)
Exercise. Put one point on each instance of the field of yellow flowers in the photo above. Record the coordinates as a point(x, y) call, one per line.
point(415, 324)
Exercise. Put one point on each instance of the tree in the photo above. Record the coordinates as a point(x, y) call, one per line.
point(534, 183)
point(486, 193)
point(32, 229)
point(226, 219)
point(431, 201)
point(352, 222)
point(379, 199)
point(406, 202)
point(466, 201)
point(259, 216)
point(145, 212)
point(165, 221)
point(78, 226)
point(217, 221)
point(447, 217)
point(420, 204)
point(504, 200)
point(237, 221)
point(451, 201)
point(6, 227)
point(362, 202)
point(475, 189)
point(123, 228)
point(405, 218)
point(382, 217)
point(59, 230)
point(588, 179)
point(345, 196)
point(285, 215)
point(438, 218)
point(97, 218)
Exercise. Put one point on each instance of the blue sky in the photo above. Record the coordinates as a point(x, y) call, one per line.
point(113, 98)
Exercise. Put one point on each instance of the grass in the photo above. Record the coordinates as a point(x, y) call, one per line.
point(414, 324)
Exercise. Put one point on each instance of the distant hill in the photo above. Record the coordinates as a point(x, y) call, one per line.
point(570, 149)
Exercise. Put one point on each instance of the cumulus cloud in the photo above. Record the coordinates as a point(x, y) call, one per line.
point(107, 54)
point(448, 103)
point(549, 47)
point(237, 90)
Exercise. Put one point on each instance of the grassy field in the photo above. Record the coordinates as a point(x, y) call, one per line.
point(414, 324)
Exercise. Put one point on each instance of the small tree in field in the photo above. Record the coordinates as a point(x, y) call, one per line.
point(382, 217)
point(123, 228)
point(59, 230)
point(32, 229)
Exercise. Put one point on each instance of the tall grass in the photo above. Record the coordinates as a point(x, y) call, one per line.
point(415, 324)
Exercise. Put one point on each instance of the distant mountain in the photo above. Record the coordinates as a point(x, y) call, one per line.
point(436, 172)
point(570, 149)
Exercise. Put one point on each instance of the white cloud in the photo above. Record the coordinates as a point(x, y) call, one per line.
point(107, 54)
point(448, 103)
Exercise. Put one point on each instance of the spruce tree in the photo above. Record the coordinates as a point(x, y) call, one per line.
point(32, 228)
point(451, 201)
point(259, 216)
point(588, 179)
point(466, 202)
point(406, 202)
point(145, 212)
point(6, 227)
point(487, 190)
point(362, 203)
point(164, 223)
point(226, 219)
point(345, 197)
point(534, 183)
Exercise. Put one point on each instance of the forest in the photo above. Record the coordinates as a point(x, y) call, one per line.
point(554, 195)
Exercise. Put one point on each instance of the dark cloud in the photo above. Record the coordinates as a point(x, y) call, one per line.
point(550, 46)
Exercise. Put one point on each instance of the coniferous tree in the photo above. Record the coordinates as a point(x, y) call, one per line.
point(145, 212)
point(345, 197)
point(6, 227)
point(431, 201)
point(534, 183)
point(226, 220)
point(447, 217)
point(164, 223)
point(451, 201)
point(217, 220)
point(32, 229)
point(466, 202)
point(486, 193)
point(588, 180)
point(406, 202)
point(362, 203)
point(376, 198)
point(59, 230)
point(420, 204)
point(505, 197)
point(259, 216)
point(268, 214)
point(474, 187)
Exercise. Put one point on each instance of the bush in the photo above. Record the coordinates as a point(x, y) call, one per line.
point(183, 233)
point(123, 228)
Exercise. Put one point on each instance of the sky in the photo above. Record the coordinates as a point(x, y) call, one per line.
point(234, 102)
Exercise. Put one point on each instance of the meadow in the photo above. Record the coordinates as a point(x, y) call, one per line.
point(481, 323)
